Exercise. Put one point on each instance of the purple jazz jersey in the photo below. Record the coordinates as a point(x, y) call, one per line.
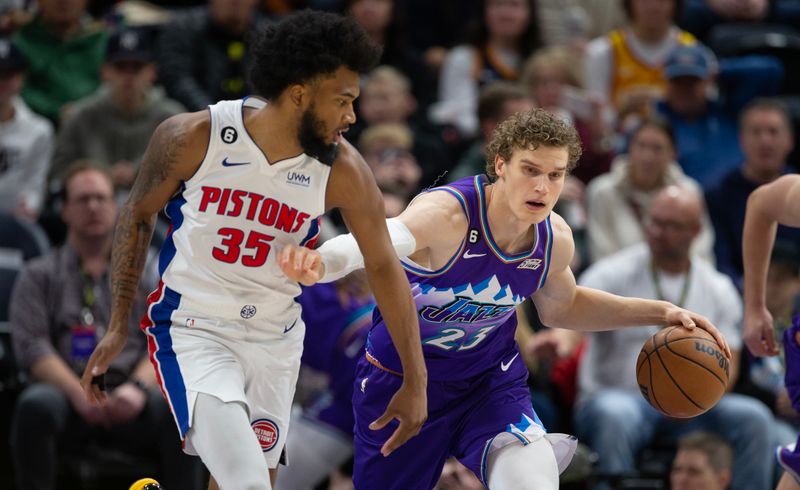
point(336, 329)
point(467, 308)
point(789, 457)
point(476, 392)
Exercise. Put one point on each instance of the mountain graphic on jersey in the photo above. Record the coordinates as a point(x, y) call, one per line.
point(471, 306)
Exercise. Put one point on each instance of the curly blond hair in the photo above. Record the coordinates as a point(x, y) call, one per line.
point(529, 130)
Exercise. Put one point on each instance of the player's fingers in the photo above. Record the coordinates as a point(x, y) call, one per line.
point(381, 422)
point(283, 256)
point(706, 325)
point(396, 440)
point(310, 261)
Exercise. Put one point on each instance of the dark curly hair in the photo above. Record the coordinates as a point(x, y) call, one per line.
point(306, 45)
point(528, 131)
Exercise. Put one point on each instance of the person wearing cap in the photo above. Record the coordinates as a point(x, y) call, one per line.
point(114, 125)
point(705, 125)
point(64, 47)
point(26, 141)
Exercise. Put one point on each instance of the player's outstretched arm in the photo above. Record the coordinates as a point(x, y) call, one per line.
point(174, 153)
point(563, 304)
point(770, 204)
point(352, 189)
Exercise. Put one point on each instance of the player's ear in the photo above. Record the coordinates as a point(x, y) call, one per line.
point(499, 165)
point(298, 93)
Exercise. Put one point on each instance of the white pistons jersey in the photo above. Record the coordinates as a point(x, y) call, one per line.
point(231, 220)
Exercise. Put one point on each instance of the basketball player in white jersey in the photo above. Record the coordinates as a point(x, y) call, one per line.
point(240, 182)
point(768, 206)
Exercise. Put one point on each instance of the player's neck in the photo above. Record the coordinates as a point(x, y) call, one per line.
point(274, 131)
point(511, 234)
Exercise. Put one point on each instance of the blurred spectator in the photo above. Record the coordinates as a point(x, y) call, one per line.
point(705, 125)
point(703, 462)
point(202, 53)
point(386, 98)
point(700, 16)
point(64, 48)
point(575, 22)
point(497, 102)
point(611, 414)
point(385, 24)
point(387, 150)
point(766, 138)
point(618, 202)
point(625, 67)
point(555, 81)
point(26, 141)
point(59, 308)
point(113, 126)
point(13, 15)
point(438, 26)
point(506, 34)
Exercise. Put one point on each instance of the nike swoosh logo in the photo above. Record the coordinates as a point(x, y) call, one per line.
point(286, 329)
point(226, 163)
point(505, 365)
point(468, 255)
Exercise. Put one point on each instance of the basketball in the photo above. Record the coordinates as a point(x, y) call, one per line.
point(682, 373)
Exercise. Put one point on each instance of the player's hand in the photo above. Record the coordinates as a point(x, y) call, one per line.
point(105, 352)
point(410, 407)
point(758, 333)
point(301, 264)
point(690, 320)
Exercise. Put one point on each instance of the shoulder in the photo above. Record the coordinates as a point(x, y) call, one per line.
point(181, 139)
point(617, 268)
point(602, 186)
point(563, 243)
point(598, 47)
point(34, 122)
point(713, 281)
point(351, 181)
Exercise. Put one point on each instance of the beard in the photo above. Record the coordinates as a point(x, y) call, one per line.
point(312, 141)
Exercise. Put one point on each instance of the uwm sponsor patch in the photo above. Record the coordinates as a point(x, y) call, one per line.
point(266, 432)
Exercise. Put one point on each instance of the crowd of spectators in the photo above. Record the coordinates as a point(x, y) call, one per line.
point(676, 131)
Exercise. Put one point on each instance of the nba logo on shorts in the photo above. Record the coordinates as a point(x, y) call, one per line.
point(266, 432)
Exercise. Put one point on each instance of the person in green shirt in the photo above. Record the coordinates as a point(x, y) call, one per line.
point(64, 48)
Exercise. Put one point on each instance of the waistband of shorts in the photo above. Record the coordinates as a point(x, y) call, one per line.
point(260, 311)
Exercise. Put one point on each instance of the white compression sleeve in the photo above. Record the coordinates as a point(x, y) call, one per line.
point(518, 467)
point(342, 256)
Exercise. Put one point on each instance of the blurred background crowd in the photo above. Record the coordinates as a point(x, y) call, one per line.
point(683, 108)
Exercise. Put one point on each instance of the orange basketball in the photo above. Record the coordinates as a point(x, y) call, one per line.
point(682, 373)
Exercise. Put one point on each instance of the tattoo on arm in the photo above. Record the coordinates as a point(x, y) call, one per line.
point(134, 231)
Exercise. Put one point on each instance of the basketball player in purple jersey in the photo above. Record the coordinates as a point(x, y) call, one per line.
point(473, 250)
point(768, 206)
point(337, 317)
point(241, 181)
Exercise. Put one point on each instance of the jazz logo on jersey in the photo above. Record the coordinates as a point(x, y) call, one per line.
point(266, 432)
point(297, 178)
point(463, 310)
point(531, 264)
